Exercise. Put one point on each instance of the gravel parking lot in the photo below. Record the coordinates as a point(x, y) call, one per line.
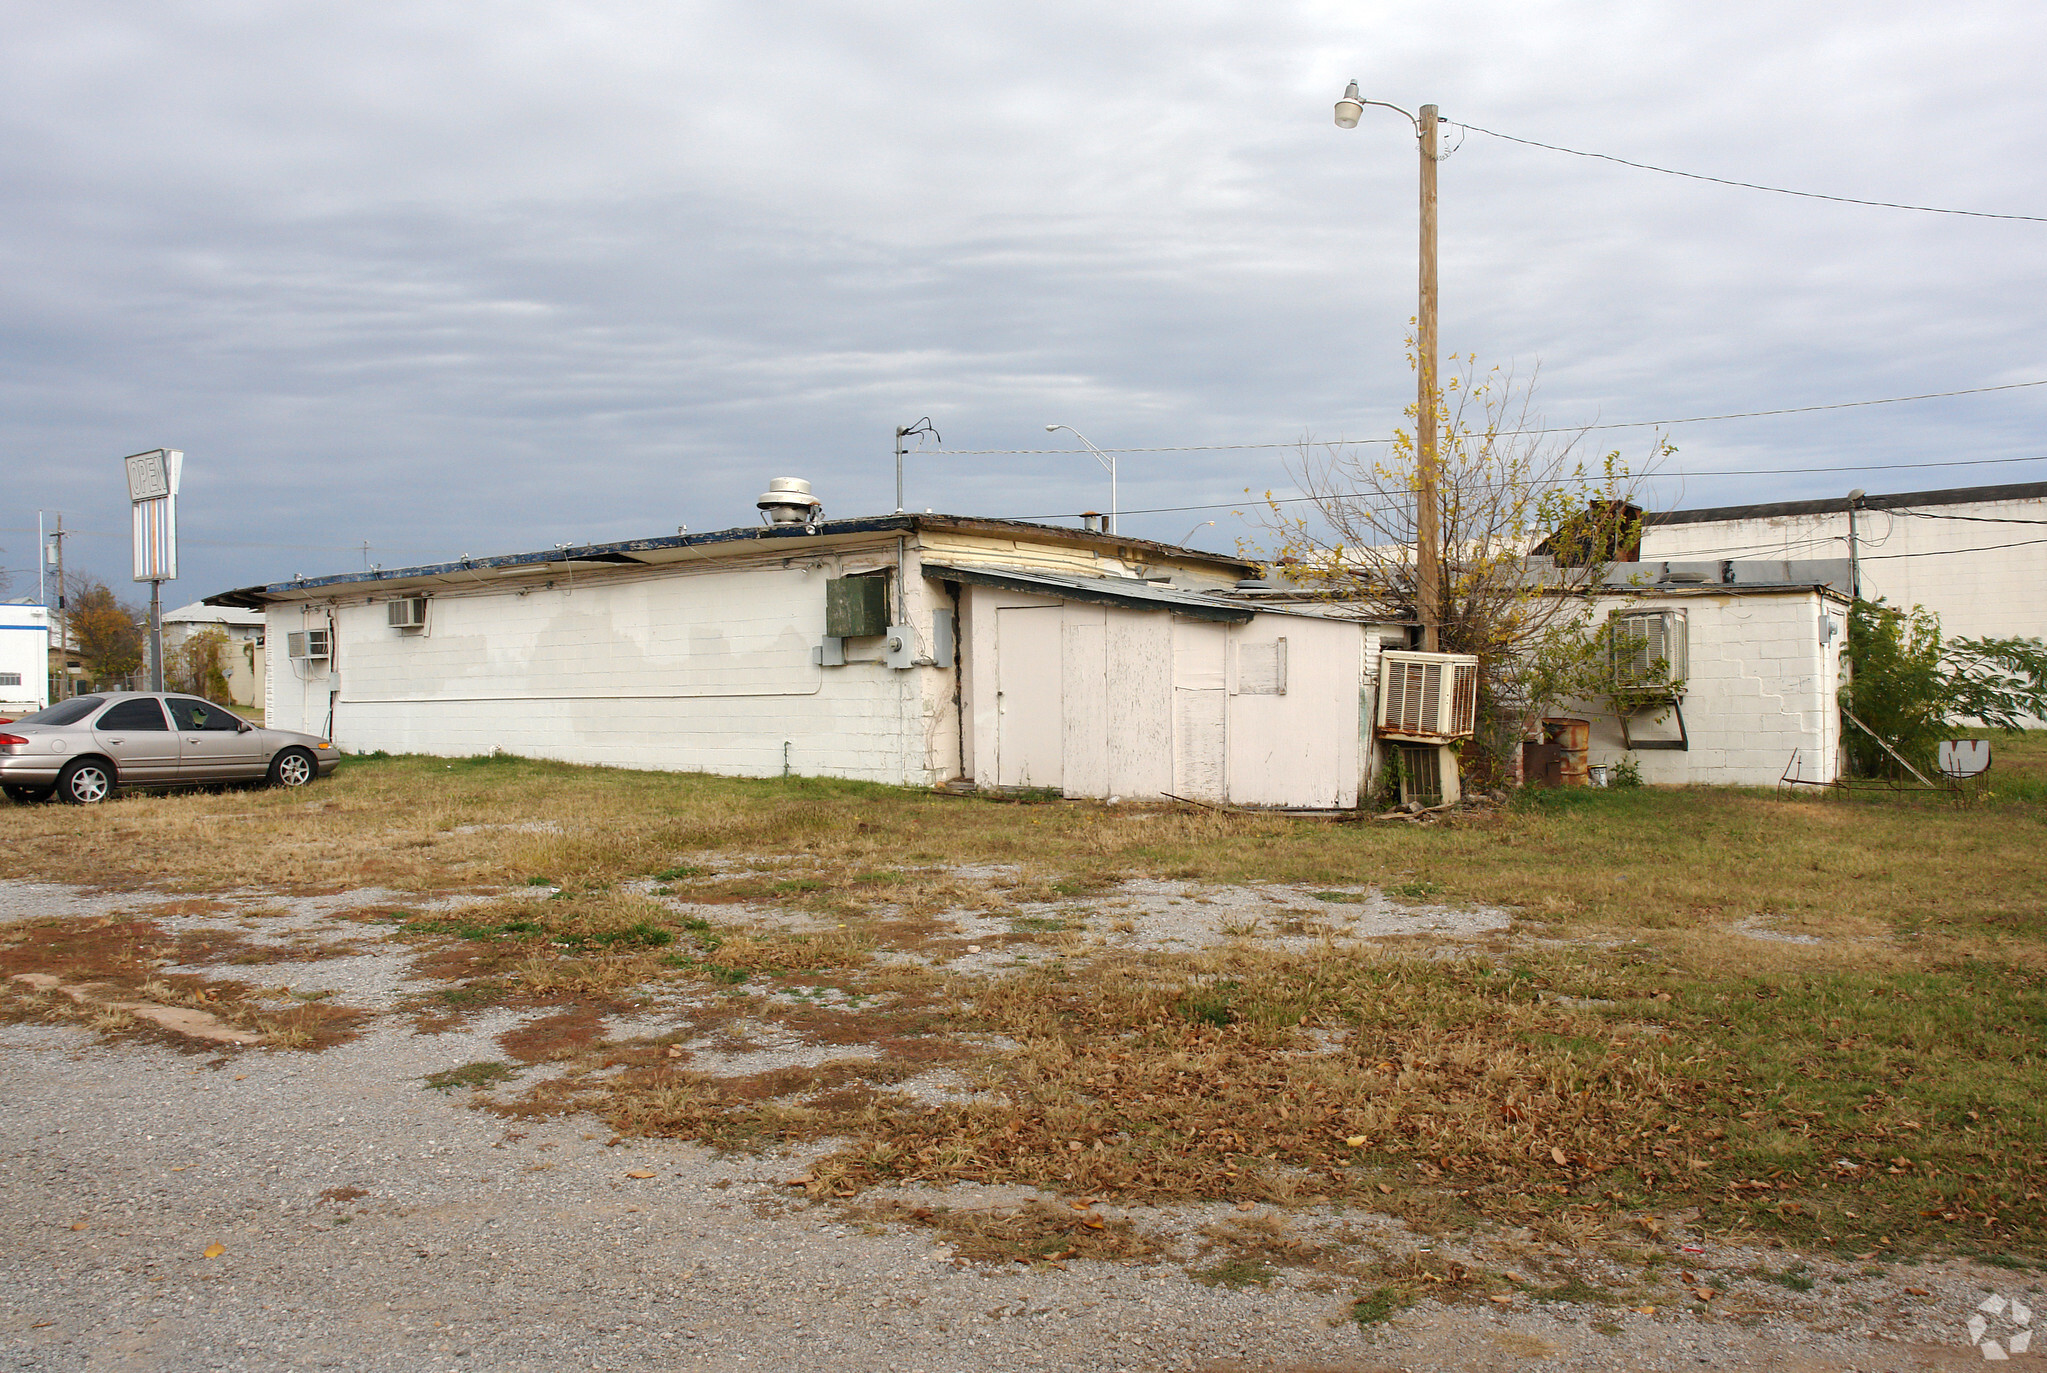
point(174, 1203)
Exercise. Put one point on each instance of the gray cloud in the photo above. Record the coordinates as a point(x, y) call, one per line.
point(446, 281)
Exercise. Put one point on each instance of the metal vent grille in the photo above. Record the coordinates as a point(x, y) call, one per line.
point(1428, 696)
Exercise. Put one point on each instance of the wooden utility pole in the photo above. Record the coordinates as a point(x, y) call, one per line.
point(1427, 555)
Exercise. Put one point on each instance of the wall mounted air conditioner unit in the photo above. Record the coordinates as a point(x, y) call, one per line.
point(309, 645)
point(1650, 653)
point(1427, 697)
point(406, 613)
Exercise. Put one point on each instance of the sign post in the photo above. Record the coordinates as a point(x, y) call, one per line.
point(153, 492)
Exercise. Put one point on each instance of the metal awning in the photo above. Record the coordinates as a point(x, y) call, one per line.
point(1127, 592)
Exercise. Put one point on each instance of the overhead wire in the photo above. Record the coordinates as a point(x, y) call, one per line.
point(1505, 433)
point(1752, 185)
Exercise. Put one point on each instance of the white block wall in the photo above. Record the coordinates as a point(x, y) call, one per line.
point(1763, 683)
point(1906, 559)
point(24, 654)
point(698, 670)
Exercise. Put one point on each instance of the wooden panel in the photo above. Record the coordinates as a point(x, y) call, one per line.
point(1140, 691)
point(1200, 711)
point(1030, 726)
point(1085, 682)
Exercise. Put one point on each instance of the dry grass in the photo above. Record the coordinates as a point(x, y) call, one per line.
point(1644, 1041)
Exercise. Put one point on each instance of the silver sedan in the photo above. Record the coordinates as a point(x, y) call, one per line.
point(83, 749)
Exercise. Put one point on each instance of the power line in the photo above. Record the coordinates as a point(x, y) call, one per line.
point(1753, 186)
point(1944, 552)
point(1558, 481)
point(1565, 429)
point(1973, 519)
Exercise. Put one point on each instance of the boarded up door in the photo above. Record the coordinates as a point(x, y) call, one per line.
point(1030, 714)
point(1200, 709)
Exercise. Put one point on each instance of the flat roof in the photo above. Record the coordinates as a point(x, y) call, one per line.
point(1954, 495)
point(724, 542)
point(1128, 592)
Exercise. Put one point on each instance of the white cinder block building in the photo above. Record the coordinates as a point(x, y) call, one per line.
point(1762, 666)
point(24, 658)
point(1976, 556)
point(912, 649)
point(242, 663)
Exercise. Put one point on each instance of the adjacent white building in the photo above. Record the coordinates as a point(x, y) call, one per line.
point(243, 662)
point(24, 658)
point(1975, 556)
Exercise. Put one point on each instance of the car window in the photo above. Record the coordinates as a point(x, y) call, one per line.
point(64, 712)
point(142, 713)
point(195, 714)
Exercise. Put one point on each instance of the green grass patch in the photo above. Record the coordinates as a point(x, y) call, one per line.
point(1379, 1305)
point(475, 1076)
point(1235, 1273)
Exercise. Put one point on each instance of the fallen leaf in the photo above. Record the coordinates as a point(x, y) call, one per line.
point(1093, 1223)
point(1646, 1310)
point(181, 1168)
point(1356, 1141)
point(1557, 1157)
point(803, 1181)
point(675, 1051)
point(1513, 1277)
point(1704, 1293)
point(214, 1250)
point(1917, 1292)
point(640, 1173)
point(1247, 1206)
point(1387, 1190)
point(79, 1226)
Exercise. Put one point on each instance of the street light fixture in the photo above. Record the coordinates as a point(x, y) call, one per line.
point(1428, 559)
point(1106, 460)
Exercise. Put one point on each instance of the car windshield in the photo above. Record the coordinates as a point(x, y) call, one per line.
point(64, 712)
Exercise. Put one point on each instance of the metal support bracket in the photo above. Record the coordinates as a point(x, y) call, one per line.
point(1681, 744)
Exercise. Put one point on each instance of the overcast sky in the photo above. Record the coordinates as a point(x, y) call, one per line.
point(456, 279)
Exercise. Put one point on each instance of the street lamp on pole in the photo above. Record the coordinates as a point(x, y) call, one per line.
point(1427, 556)
point(1108, 462)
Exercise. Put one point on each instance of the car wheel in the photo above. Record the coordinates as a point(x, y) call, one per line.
point(85, 782)
point(293, 768)
point(29, 794)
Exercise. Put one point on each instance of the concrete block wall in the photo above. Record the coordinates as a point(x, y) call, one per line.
point(1763, 681)
point(682, 670)
point(1946, 565)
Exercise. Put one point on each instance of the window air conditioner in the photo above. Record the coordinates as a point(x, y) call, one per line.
point(308, 644)
point(1650, 653)
point(408, 613)
point(1427, 697)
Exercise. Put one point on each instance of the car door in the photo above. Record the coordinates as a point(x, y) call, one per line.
point(212, 744)
point(134, 733)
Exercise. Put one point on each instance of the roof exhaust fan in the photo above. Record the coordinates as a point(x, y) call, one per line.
point(788, 501)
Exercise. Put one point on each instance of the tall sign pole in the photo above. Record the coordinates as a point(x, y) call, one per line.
point(153, 492)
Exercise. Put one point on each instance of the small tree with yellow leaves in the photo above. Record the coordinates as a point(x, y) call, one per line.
point(1505, 485)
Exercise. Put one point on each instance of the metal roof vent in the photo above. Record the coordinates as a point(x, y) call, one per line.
point(788, 501)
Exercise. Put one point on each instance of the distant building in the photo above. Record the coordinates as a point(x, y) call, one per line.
point(1976, 556)
point(243, 663)
point(25, 661)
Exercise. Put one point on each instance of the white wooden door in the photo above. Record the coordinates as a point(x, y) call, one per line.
point(1030, 711)
point(1200, 711)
